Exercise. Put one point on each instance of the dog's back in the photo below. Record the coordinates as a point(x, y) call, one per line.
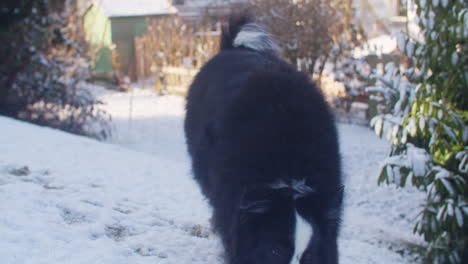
point(264, 151)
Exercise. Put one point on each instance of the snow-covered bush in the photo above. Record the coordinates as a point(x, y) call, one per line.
point(352, 72)
point(424, 113)
point(43, 65)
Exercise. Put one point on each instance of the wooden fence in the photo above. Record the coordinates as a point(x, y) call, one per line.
point(172, 52)
point(174, 80)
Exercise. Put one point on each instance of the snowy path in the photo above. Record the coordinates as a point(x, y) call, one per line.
point(132, 199)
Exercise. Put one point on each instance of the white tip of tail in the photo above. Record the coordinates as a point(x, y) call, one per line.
point(254, 37)
point(302, 236)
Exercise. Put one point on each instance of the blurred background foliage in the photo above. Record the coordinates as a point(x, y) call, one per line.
point(43, 65)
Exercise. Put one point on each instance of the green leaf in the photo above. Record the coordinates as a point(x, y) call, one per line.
point(449, 132)
point(459, 216)
point(383, 177)
point(447, 186)
point(441, 213)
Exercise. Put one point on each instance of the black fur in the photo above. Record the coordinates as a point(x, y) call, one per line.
point(233, 27)
point(253, 121)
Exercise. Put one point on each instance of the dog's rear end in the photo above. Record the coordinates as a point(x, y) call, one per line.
point(265, 152)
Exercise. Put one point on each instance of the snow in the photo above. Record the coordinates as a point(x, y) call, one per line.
point(418, 158)
point(202, 3)
point(422, 3)
point(122, 8)
point(383, 44)
point(454, 58)
point(459, 216)
point(207, 3)
point(448, 186)
point(410, 49)
point(132, 199)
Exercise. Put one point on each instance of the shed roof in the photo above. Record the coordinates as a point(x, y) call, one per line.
point(128, 8)
point(205, 3)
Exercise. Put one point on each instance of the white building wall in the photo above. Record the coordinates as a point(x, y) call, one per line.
point(378, 16)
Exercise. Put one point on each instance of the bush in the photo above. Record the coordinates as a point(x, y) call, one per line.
point(425, 116)
point(310, 32)
point(43, 66)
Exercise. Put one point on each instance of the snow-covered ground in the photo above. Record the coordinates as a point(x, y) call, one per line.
point(132, 199)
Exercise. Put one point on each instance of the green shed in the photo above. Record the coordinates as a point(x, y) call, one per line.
point(113, 24)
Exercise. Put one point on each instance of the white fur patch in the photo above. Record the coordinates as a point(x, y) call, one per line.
point(302, 236)
point(298, 186)
point(254, 37)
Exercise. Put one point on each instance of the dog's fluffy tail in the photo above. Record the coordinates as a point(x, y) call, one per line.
point(242, 32)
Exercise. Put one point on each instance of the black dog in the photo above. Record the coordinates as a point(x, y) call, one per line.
point(264, 150)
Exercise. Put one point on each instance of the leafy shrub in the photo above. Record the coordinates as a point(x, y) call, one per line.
point(424, 113)
point(43, 67)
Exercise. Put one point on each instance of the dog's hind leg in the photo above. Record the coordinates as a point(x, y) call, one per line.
point(323, 210)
